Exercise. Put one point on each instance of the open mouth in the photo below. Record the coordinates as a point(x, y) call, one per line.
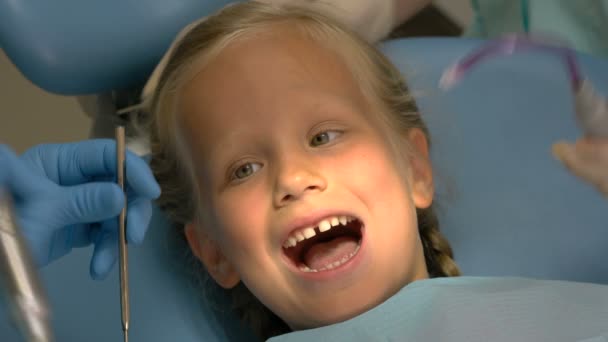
point(330, 244)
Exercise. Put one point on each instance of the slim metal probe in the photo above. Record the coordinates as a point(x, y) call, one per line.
point(122, 233)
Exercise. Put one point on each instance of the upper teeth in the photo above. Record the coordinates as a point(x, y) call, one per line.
point(308, 232)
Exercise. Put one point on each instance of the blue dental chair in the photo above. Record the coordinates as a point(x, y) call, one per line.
point(505, 205)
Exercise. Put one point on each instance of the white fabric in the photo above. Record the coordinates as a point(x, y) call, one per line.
point(372, 19)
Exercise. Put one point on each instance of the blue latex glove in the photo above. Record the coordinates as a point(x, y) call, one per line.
point(65, 196)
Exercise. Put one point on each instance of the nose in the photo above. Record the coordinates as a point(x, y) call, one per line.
point(296, 179)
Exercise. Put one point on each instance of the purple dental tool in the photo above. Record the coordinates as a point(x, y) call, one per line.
point(591, 108)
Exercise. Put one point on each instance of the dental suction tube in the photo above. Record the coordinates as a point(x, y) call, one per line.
point(20, 282)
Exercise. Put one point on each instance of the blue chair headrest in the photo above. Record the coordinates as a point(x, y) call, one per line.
point(72, 47)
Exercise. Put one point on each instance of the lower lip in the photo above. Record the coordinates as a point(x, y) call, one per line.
point(346, 268)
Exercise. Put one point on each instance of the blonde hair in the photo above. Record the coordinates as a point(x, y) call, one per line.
point(381, 83)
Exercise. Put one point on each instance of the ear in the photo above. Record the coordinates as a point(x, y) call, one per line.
point(209, 253)
point(421, 171)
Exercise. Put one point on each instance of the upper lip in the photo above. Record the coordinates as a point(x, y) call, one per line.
point(311, 219)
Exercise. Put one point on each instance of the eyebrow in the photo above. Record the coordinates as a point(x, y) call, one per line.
point(225, 143)
point(332, 104)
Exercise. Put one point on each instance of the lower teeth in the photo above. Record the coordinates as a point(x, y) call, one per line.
point(333, 265)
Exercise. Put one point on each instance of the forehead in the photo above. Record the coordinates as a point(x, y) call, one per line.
point(262, 79)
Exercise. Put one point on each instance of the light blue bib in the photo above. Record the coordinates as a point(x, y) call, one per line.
point(582, 23)
point(475, 309)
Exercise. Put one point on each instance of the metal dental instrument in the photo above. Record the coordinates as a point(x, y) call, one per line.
point(591, 108)
point(122, 233)
point(20, 280)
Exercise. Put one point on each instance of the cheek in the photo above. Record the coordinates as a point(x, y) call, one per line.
point(242, 219)
point(373, 175)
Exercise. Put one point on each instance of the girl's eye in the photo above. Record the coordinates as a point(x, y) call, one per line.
point(246, 170)
point(323, 138)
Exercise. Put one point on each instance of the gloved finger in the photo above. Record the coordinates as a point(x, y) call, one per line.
point(140, 177)
point(594, 152)
point(105, 253)
point(74, 163)
point(90, 202)
point(588, 153)
point(95, 231)
point(64, 240)
point(139, 212)
point(17, 177)
point(85, 161)
point(60, 244)
point(82, 235)
point(585, 163)
point(593, 149)
point(41, 247)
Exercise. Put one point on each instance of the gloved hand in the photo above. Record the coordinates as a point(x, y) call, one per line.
point(588, 159)
point(66, 196)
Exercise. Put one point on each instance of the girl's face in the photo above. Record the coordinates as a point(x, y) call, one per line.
point(284, 147)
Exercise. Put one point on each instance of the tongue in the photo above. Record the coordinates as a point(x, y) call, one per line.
point(325, 253)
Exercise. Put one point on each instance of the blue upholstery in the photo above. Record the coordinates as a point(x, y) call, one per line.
point(506, 206)
point(74, 47)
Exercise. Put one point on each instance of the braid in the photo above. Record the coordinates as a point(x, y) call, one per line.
point(437, 251)
point(264, 323)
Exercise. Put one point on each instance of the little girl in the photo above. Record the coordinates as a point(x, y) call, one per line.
point(294, 158)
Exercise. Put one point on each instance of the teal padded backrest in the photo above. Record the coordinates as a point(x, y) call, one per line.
point(76, 47)
point(505, 204)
